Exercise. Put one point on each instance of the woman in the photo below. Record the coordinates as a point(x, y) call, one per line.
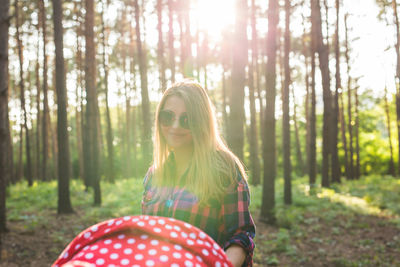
point(195, 177)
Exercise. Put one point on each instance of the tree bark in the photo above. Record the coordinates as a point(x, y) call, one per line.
point(64, 201)
point(4, 127)
point(92, 163)
point(160, 50)
point(22, 87)
point(323, 56)
point(299, 153)
point(312, 152)
point(287, 166)
point(236, 115)
point(335, 114)
point(146, 139)
point(397, 77)
point(269, 145)
point(387, 112)
point(171, 39)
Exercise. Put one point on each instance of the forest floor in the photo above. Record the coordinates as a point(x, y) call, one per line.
point(354, 224)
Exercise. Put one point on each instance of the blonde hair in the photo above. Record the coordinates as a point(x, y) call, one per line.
point(213, 165)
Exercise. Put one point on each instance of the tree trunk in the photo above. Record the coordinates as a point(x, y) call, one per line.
point(323, 56)
point(91, 163)
point(171, 39)
point(391, 162)
point(254, 158)
point(343, 133)
point(287, 166)
point(397, 77)
point(22, 87)
point(349, 104)
point(356, 126)
point(64, 202)
point(299, 153)
point(269, 154)
point(236, 115)
point(312, 152)
point(144, 91)
point(335, 114)
point(160, 50)
point(4, 127)
point(110, 172)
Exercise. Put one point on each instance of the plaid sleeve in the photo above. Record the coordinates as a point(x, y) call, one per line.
point(146, 185)
point(238, 224)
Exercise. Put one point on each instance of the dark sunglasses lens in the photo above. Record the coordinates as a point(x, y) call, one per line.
point(184, 122)
point(166, 118)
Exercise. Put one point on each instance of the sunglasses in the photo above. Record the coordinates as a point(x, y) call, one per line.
point(167, 118)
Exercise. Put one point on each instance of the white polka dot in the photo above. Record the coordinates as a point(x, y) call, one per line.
point(202, 235)
point(187, 225)
point(184, 235)
point(86, 248)
point(141, 246)
point(94, 228)
point(110, 222)
point(164, 258)
point(200, 242)
point(208, 244)
point(161, 221)
point(198, 265)
point(188, 255)
point(154, 242)
point(176, 255)
point(152, 252)
point(125, 262)
point(199, 258)
point(140, 224)
point(190, 242)
point(107, 230)
point(100, 261)
point(139, 257)
point(65, 255)
point(216, 247)
point(192, 236)
point(135, 265)
point(128, 251)
point(131, 240)
point(165, 248)
point(103, 251)
point(188, 263)
point(174, 265)
point(157, 230)
point(89, 256)
point(172, 219)
point(80, 254)
point(118, 222)
point(135, 219)
point(218, 264)
point(111, 265)
point(205, 252)
point(114, 256)
point(225, 264)
point(77, 246)
point(177, 247)
point(126, 218)
point(152, 222)
point(108, 241)
point(117, 246)
point(150, 263)
point(144, 237)
point(146, 217)
point(121, 236)
point(94, 247)
point(177, 228)
point(214, 252)
point(87, 235)
point(169, 227)
point(174, 235)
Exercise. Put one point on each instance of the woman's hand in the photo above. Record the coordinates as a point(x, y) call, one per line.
point(236, 255)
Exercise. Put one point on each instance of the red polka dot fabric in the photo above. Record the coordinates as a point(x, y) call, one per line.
point(143, 241)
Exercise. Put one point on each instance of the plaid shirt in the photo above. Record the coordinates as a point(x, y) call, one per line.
point(227, 222)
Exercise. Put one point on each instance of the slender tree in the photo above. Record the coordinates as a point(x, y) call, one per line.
point(236, 115)
point(146, 134)
point(287, 166)
point(312, 152)
point(4, 128)
point(160, 48)
point(323, 56)
point(299, 153)
point(387, 112)
point(171, 47)
point(269, 153)
point(92, 160)
point(22, 95)
point(335, 112)
point(397, 76)
point(64, 201)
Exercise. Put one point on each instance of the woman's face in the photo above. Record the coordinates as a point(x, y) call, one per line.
point(175, 135)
